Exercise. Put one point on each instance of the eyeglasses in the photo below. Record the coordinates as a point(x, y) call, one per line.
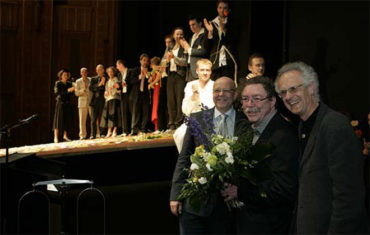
point(253, 99)
point(292, 90)
point(218, 91)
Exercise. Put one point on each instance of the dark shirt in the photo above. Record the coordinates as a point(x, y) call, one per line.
point(305, 130)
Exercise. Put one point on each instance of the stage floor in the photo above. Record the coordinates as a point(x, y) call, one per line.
point(81, 147)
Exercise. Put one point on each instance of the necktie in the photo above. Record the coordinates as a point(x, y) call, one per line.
point(256, 135)
point(223, 125)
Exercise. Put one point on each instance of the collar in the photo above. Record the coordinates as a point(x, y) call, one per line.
point(262, 125)
point(230, 113)
point(217, 21)
point(196, 35)
point(124, 73)
point(311, 120)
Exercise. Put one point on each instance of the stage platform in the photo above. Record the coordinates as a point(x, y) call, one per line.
point(134, 173)
point(100, 145)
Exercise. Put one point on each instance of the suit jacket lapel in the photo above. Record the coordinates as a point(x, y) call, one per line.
point(241, 124)
point(313, 135)
point(264, 137)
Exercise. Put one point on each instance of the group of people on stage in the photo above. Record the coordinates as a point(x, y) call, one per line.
point(151, 94)
point(317, 182)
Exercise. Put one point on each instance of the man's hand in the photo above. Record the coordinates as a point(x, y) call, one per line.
point(208, 25)
point(251, 75)
point(71, 89)
point(230, 192)
point(116, 85)
point(169, 56)
point(102, 81)
point(176, 207)
point(195, 89)
point(209, 28)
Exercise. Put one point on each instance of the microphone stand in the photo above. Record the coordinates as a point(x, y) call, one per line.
point(5, 131)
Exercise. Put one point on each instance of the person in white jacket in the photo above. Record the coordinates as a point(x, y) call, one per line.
point(198, 93)
point(84, 97)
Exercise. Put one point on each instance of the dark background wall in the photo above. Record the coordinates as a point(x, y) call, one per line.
point(333, 36)
point(40, 37)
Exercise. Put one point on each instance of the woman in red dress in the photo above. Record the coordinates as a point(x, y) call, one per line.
point(155, 84)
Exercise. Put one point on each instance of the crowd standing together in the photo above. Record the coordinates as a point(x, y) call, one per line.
point(317, 184)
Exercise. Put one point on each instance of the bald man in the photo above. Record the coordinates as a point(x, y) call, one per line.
point(213, 216)
point(97, 87)
point(84, 97)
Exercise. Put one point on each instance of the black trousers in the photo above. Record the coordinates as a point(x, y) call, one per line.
point(140, 112)
point(175, 95)
point(96, 113)
point(111, 114)
point(125, 113)
point(162, 105)
point(213, 224)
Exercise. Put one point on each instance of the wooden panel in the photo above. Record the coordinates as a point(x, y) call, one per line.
point(9, 15)
point(75, 19)
point(37, 39)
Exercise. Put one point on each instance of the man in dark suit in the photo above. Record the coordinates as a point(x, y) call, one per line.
point(331, 190)
point(197, 48)
point(213, 217)
point(271, 214)
point(97, 87)
point(221, 39)
point(139, 96)
point(176, 80)
point(125, 92)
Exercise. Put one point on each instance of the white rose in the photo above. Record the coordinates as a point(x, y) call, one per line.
point(209, 167)
point(202, 180)
point(222, 148)
point(229, 159)
point(206, 155)
point(194, 167)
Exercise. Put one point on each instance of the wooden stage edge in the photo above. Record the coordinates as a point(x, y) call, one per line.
point(82, 147)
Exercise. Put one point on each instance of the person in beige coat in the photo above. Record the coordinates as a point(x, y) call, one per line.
point(84, 97)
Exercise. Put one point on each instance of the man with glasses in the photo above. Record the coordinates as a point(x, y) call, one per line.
point(213, 216)
point(271, 214)
point(331, 192)
point(256, 65)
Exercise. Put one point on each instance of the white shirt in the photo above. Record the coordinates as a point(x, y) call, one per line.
point(205, 97)
point(124, 75)
point(222, 59)
point(110, 91)
point(230, 121)
point(173, 67)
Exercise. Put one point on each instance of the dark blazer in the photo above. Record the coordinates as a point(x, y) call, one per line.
point(198, 50)
point(272, 214)
point(119, 76)
point(227, 39)
point(133, 80)
point(97, 92)
point(189, 145)
point(331, 190)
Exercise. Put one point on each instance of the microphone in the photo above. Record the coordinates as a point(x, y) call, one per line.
point(31, 118)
